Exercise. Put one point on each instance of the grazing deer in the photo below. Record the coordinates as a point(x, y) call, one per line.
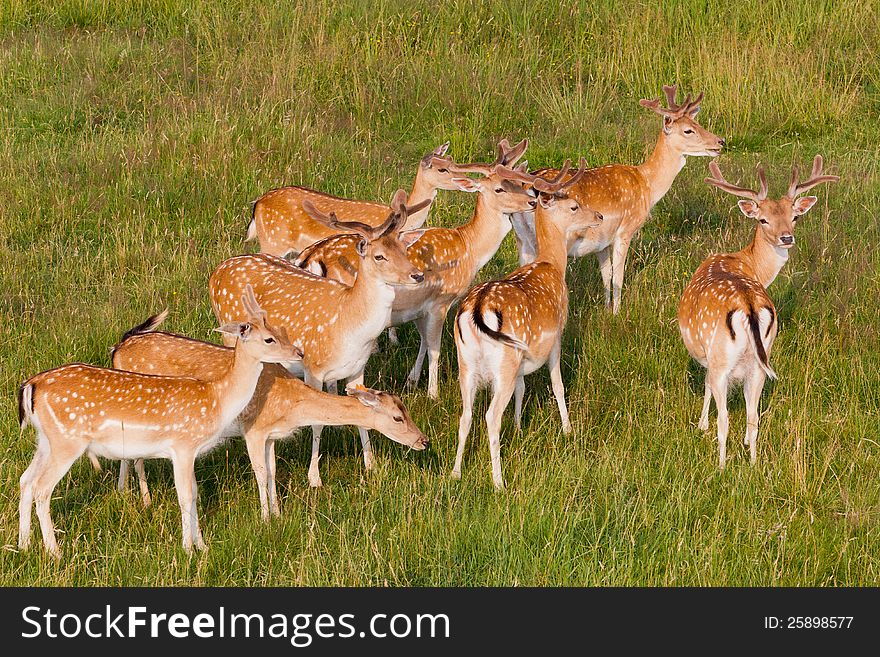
point(122, 415)
point(449, 257)
point(281, 403)
point(726, 318)
point(336, 325)
point(283, 228)
point(625, 194)
point(508, 328)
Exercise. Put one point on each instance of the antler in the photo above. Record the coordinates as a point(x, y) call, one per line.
point(674, 111)
point(816, 178)
point(558, 183)
point(507, 156)
point(721, 183)
point(331, 220)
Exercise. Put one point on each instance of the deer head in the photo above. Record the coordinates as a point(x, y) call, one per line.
point(776, 217)
point(680, 126)
point(257, 338)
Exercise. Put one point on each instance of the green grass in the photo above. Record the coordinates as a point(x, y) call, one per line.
point(133, 136)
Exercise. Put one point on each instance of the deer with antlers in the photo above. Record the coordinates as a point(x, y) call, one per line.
point(336, 325)
point(726, 317)
point(625, 194)
point(281, 403)
point(449, 257)
point(79, 409)
point(283, 228)
point(508, 328)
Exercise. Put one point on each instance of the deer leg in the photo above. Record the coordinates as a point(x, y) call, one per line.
point(258, 453)
point(703, 424)
point(123, 476)
point(26, 503)
point(752, 387)
point(358, 379)
point(393, 340)
point(718, 382)
point(553, 363)
point(434, 326)
point(468, 388)
point(503, 391)
point(604, 258)
point(197, 531)
point(618, 266)
point(412, 379)
point(184, 476)
point(270, 479)
point(518, 393)
point(142, 482)
point(332, 387)
point(54, 467)
point(96, 464)
point(314, 473)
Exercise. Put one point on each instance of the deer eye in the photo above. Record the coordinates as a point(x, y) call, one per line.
point(499, 190)
point(688, 131)
point(443, 170)
point(269, 340)
point(398, 418)
point(379, 256)
point(765, 222)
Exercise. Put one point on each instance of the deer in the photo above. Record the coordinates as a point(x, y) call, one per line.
point(625, 194)
point(283, 229)
point(726, 317)
point(449, 257)
point(335, 324)
point(78, 408)
point(281, 404)
point(507, 328)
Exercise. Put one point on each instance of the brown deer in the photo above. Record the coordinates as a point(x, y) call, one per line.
point(625, 194)
point(449, 257)
point(123, 415)
point(283, 228)
point(336, 325)
point(508, 328)
point(726, 318)
point(281, 403)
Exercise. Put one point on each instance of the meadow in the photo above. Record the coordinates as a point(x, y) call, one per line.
point(133, 136)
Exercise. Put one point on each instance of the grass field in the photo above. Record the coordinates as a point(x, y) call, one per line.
point(134, 135)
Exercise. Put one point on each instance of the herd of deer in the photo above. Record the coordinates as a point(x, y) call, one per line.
point(358, 268)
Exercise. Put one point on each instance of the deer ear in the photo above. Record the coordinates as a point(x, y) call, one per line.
point(410, 237)
point(748, 208)
point(361, 248)
point(803, 204)
point(466, 184)
point(667, 124)
point(440, 151)
point(546, 200)
point(364, 395)
point(240, 330)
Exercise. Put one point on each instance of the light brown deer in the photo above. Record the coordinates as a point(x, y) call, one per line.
point(281, 403)
point(727, 320)
point(283, 228)
point(449, 257)
point(625, 194)
point(123, 415)
point(336, 325)
point(508, 328)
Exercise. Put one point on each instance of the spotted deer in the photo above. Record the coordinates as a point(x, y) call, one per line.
point(726, 317)
point(79, 409)
point(449, 257)
point(625, 194)
point(283, 228)
point(508, 328)
point(335, 324)
point(281, 403)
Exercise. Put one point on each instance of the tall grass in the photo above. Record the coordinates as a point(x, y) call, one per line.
point(135, 134)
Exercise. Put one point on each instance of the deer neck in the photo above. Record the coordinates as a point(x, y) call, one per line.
point(484, 232)
point(661, 168)
point(551, 242)
point(421, 191)
point(234, 390)
point(368, 301)
point(320, 408)
point(764, 259)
